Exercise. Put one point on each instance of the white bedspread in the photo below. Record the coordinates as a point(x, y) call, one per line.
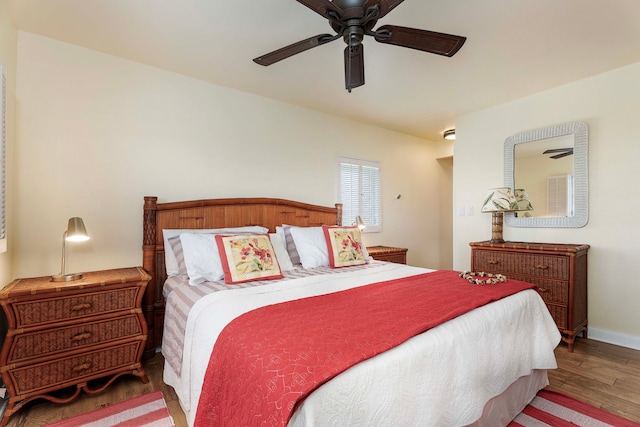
point(440, 378)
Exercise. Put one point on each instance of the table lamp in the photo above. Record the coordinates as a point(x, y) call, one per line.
point(75, 232)
point(498, 201)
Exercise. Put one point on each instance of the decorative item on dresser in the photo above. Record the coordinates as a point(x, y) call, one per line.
point(559, 270)
point(64, 334)
point(388, 253)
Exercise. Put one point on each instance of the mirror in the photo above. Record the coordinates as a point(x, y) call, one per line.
point(555, 182)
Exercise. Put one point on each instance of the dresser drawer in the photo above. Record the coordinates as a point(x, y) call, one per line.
point(50, 341)
point(544, 266)
point(69, 370)
point(550, 290)
point(40, 311)
point(559, 314)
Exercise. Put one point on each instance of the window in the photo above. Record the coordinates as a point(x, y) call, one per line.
point(3, 162)
point(560, 196)
point(360, 192)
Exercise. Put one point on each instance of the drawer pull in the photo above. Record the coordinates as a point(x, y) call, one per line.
point(542, 267)
point(83, 306)
point(81, 336)
point(82, 367)
point(494, 262)
point(542, 291)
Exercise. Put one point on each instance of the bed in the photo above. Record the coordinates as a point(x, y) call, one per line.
point(479, 368)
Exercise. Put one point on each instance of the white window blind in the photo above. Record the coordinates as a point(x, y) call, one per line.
point(360, 192)
point(3, 161)
point(560, 196)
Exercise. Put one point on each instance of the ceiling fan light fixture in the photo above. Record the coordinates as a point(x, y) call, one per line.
point(450, 134)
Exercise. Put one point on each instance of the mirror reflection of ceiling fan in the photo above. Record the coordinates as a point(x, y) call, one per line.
point(562, 152)
point(354, 19)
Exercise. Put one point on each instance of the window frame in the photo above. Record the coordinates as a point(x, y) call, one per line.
point(346, 214)
point(3, 159)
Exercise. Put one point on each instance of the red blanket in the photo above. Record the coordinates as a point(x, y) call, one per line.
point(267, 361)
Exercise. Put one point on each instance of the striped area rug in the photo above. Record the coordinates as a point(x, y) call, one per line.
point(148, 410)
point(554, 409)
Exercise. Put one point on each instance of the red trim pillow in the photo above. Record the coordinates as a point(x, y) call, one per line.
point(344, 245)
point(248, 258)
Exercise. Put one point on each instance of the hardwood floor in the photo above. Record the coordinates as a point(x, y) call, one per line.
point(603, 375)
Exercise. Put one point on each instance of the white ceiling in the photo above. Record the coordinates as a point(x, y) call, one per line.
point(514, 48)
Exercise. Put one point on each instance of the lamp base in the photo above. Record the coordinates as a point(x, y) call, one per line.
point(496, 228)
point(66, 277)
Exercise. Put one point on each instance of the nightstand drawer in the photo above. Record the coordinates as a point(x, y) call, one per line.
point(68, 370)
point(388, 254)
point(546, 266)
point(41, 311)
point(32, 345)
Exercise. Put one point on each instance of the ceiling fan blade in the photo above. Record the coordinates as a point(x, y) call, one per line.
point(353, 66)
point(558, 150)
point(321, 7)
point(427, 41)
point(386, 6)
point(559, 156)
point(293, 49)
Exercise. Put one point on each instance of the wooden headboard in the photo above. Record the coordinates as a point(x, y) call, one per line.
point(212, 213)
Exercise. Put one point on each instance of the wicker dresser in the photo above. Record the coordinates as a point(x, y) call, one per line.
point(67, 334)
point(559, 270)
point(388, 253)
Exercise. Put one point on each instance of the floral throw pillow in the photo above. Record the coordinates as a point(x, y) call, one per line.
point(248, 258)
point(345, 246)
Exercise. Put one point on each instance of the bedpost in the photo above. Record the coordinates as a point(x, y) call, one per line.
point(149, 264)
point(338, 213)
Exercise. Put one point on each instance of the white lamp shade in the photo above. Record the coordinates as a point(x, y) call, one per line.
point(522, 200)
point(500, 199)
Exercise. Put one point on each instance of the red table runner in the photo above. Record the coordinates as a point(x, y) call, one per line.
point(267, 361)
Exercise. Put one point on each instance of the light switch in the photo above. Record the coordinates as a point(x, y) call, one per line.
point(461, 211)
point(470, 211)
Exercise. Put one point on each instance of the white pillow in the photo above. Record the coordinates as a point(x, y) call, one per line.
point(170, 261)
point(311, 246)
point(201, 257)
point(285, 232)
point(280, 248)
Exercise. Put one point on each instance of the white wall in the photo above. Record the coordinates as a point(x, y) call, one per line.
point(97, 133)
point(8, 59)
point(609, 103)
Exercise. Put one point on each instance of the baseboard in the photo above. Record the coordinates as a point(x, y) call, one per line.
point(629, 341)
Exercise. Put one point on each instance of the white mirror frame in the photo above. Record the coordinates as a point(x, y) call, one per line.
point(580, 174)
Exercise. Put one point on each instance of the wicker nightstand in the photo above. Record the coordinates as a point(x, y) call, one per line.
point(388, 253)
point(67, 334)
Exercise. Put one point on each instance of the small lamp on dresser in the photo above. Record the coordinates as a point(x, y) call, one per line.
point(498, 201)
point(75, 232)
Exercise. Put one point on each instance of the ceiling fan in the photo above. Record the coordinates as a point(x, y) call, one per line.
point(354, 19)
point(562, 152)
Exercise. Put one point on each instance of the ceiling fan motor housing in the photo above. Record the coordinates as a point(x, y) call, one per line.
point(353, 34)
point(346, 4)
